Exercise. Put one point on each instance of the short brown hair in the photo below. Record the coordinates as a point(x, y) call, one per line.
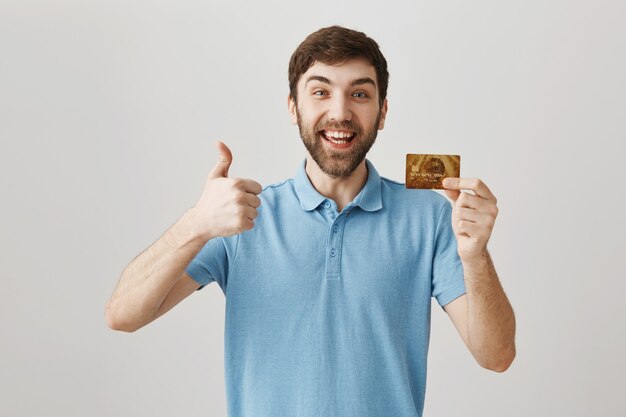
point(335, 45)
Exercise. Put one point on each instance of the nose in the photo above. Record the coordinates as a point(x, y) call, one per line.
point(339, 109)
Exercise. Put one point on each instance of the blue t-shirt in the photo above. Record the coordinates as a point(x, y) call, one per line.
point(328, 313)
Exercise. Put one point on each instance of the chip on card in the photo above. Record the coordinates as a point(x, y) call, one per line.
point(427, 171)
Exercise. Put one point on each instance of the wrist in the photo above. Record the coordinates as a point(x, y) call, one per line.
point(186, 229)
point(476, 263)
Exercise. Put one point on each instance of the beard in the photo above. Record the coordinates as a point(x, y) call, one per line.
point(340, 163)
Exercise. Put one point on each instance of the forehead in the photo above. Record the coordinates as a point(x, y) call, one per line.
point(341, 74)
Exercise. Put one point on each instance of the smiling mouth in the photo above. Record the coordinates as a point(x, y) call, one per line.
point(338, 137)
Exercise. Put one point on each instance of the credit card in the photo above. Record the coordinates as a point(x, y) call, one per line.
point(427, 171)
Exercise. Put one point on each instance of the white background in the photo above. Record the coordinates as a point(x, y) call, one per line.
point(109, 111)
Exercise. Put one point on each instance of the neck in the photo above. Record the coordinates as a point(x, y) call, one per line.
point(341, 190)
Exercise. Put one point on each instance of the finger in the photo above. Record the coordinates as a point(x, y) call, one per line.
point(225, 158)
point(250, 186)
point(471, 201)
point(474, 184)
point(452, 194)
point(250, 212)
point(252, 200)
point(468, 214)
point(472, 215)
point(469, 229)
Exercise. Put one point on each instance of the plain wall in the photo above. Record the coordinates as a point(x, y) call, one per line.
point(109, 111)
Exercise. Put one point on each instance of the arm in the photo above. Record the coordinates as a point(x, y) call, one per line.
point(484, 317)
point(151, 276)
point(155, 281)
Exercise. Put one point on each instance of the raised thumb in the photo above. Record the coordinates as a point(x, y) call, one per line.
point(224, 161)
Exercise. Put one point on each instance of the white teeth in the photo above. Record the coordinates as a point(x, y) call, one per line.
point(337, 135)
point(339, 142)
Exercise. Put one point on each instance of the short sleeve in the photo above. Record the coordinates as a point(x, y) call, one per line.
point(447, 280)
point(210, 264)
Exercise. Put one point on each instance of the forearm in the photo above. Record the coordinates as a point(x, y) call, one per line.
point(491, 321)
point(147, 279)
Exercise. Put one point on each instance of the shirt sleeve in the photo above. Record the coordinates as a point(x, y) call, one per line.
point(447, 280)
point(210, 264)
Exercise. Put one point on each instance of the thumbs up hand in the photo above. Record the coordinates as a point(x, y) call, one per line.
point(227, 206)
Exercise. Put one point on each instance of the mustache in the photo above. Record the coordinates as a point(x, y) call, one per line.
point(338, 126)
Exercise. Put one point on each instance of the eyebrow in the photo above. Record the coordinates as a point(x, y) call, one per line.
point(359, 81)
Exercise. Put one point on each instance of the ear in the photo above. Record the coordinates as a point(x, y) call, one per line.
point(383, 115)
point(293, 111)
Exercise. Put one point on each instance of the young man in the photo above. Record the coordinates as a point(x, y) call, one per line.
point(329, 276)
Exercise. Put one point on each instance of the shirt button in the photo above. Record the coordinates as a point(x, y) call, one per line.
point(335, 228)
point(333, 252)
point(327, 204)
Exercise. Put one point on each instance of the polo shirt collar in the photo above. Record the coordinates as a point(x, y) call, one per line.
point(369, 198)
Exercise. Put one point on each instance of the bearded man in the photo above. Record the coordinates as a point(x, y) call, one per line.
point(328, 276)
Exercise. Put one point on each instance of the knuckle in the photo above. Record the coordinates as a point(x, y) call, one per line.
point(237, 182)
point(240, 198)
point(463, 223)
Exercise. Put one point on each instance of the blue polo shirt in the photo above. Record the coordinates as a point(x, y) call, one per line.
point(327, 312)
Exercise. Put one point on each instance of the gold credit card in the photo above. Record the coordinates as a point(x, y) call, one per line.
point(427, 171)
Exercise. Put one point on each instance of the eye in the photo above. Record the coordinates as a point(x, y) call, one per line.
point(360, 94)
point(319, 93)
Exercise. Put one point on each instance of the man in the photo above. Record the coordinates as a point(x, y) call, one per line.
point(329, 276)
